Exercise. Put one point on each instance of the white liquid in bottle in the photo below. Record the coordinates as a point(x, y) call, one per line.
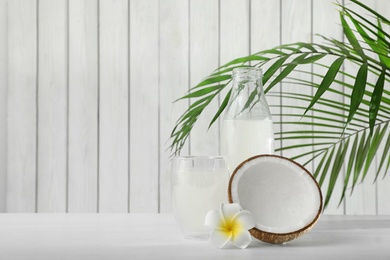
point(244, 138)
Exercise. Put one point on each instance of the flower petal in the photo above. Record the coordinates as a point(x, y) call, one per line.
point(242, 238)
point(220, 238)
point(213, 219)
point(230, 210)
point(245, 219)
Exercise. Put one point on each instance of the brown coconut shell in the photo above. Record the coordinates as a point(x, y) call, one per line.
point(278, 238)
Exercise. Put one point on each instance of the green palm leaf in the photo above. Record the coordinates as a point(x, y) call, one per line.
point(358, 90)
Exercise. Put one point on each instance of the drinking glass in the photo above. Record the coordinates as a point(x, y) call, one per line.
point(199, 184)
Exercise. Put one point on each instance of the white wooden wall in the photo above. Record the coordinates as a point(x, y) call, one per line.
point(86, 91)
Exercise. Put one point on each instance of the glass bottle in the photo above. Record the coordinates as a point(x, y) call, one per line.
point(247, 125)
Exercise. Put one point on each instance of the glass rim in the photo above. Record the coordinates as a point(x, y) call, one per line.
point(204, 157)
point(247, 71)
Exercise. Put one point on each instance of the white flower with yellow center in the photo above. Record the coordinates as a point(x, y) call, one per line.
point(230, 224)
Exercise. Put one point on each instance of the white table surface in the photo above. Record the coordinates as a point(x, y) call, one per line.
point(153, 236)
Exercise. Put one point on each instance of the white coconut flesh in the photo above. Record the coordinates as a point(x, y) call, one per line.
point(281, 194)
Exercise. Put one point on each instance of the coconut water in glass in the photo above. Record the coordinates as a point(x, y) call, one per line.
point(198, 184)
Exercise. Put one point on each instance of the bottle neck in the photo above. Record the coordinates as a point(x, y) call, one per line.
point(247, 81)
point(247, 86)
point(247, 98)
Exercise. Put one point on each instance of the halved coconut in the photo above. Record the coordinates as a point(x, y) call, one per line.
point(282, 195)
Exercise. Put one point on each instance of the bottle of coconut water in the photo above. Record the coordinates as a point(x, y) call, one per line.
point(247, 125)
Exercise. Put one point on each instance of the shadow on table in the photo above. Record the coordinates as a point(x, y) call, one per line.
point(352, 225)
point(335, 231)
point(316, 242)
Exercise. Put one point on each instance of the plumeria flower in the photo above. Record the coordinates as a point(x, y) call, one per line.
point(230, 224)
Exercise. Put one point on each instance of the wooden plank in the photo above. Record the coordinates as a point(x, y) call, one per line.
point(326, 22)
point(234, 30)
point(295, 27)
point(363, 199)
point(383, 197)
point(83, 106)
point(173, 73)
point(144, 106)
point(52, 106)
point(265, 27)
point(113, 106)
point(265, 34)
point(22, 87)
point(204, 42)
point(383, 183)
point(3, 104)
